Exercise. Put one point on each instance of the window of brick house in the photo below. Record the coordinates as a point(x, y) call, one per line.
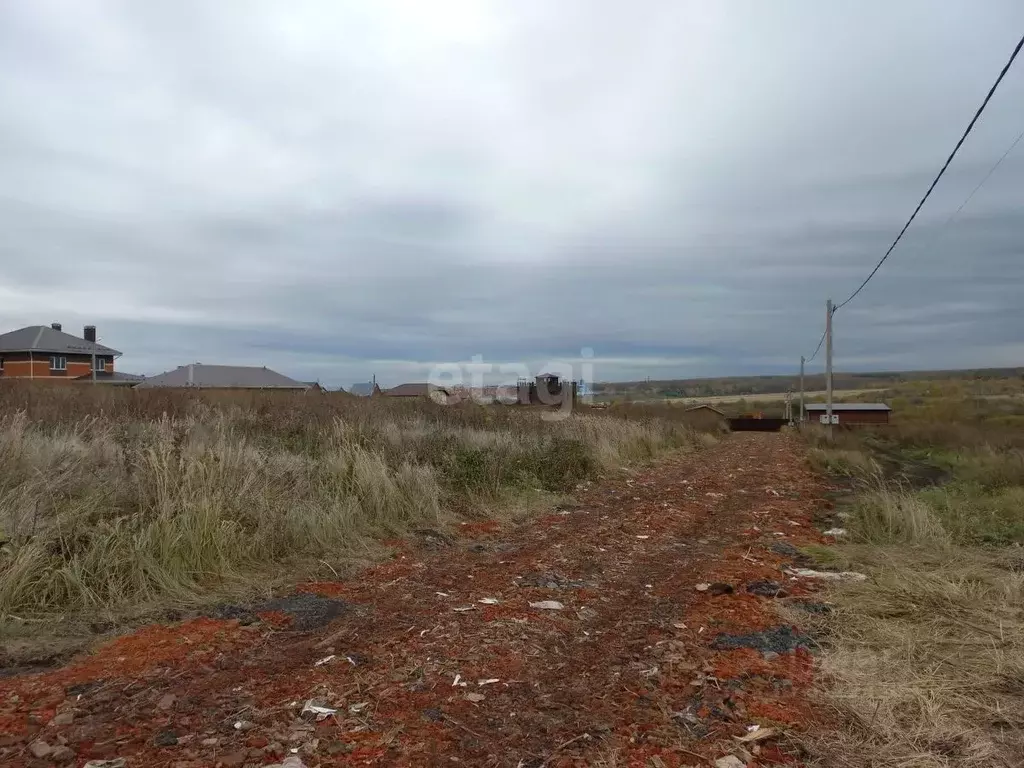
point(58, 363)
point(100, 365)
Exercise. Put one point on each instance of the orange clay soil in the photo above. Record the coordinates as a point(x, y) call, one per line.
point(627, 673)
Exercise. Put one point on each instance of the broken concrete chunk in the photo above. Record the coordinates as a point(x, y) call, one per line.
point(807, 573)
point(39, 749)
point(547, 605)
point(729, 761)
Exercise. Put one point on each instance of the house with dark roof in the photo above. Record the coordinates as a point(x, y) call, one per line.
point(200, 376)
point(420, 390)
point(48, 353)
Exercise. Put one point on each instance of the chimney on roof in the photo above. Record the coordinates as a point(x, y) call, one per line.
point(90, 333)
point(55, 326)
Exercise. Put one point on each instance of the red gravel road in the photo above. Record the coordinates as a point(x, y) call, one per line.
point(625, 674)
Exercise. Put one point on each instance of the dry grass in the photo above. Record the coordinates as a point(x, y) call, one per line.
point(114, 499)
point(924, 662)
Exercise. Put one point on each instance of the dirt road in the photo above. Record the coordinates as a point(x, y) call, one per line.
point(439, 658)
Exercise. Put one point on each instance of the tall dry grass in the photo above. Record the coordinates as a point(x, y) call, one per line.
point(112, 499)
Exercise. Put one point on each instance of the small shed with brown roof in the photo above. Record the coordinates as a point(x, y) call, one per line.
point(705, 417)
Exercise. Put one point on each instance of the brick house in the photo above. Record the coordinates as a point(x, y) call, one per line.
point(47, 353)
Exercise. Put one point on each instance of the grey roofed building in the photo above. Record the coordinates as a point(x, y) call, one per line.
point(848, 407)
point(414, 390)
point(200, 376)
point(113, 378)
point(44, 338)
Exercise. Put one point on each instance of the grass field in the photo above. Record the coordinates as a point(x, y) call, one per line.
point(776, 397)
point(112, 499)
point(925, 660)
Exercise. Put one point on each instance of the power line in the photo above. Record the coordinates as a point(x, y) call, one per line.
point(817, 348)
point(949, 159)
point(986, 178)
point(945, 225)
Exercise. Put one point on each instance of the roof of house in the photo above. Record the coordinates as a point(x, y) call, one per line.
point(414, 390)
point(848, 407)
point(112, 377)
point(705, 406)
point(43, 338)
point(362, 389)
point(200, 376)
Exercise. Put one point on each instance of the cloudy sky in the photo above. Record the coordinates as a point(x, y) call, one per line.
point(337, 189)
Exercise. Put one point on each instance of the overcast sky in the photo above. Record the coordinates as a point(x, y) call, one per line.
point(337, 189)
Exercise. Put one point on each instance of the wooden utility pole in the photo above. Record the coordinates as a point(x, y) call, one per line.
point(800, 419)
point(828, 369)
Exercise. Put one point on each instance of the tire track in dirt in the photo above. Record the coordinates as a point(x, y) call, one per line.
point(624, 674)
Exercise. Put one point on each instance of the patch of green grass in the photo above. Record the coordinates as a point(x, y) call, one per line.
point(976, 515)
point(830, 558)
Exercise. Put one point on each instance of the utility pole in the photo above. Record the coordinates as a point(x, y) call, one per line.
point(828, 369)
point(800, 420)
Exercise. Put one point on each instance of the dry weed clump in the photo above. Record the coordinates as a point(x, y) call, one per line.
point(115, 498)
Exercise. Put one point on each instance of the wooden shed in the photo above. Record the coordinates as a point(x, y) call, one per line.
point(705, 417)
point(850, 414)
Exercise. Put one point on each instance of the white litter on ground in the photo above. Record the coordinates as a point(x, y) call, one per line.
point(807, 573)
point(548, 605)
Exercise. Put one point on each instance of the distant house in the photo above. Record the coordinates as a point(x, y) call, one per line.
point(850, 414)
point(47, 353)
point(420, 390)
point(113, 378)
point(200, 376)
point(704, 417)
point(364, 389)
point(546, 389)
point(313, 386)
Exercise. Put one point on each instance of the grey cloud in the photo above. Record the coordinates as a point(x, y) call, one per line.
point(338, 189)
